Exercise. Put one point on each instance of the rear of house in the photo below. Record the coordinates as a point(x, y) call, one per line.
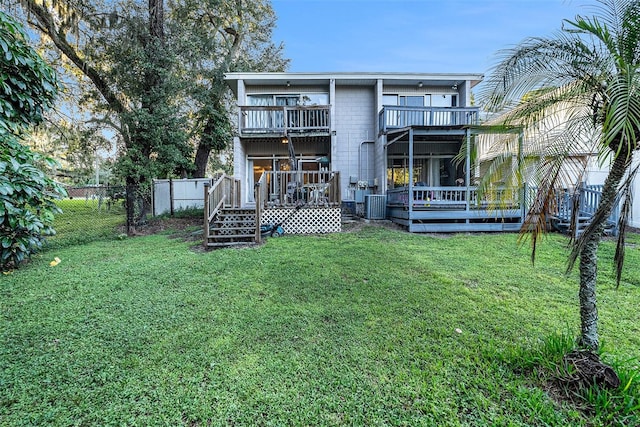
point(331, 141)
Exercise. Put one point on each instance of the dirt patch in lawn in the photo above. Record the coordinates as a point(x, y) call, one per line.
point(188, 228)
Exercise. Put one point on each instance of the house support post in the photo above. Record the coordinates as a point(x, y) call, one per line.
point(467, 171)
point(258, 199)
point(410, 195)
point(206, 213)
point(523, 185)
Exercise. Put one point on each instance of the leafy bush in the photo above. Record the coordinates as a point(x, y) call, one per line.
point(27, 87)
point(26, 203)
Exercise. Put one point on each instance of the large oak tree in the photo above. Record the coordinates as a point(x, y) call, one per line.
point(153, 72)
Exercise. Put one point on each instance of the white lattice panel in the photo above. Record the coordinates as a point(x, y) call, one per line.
point(305, 220)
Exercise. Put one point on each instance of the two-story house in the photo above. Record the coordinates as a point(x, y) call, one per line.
point(329, 140)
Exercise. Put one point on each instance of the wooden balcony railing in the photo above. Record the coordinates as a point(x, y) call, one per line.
point(283, 120)
point(454, 198)
point(395, 117)
point(586, 198)
point(293, 189)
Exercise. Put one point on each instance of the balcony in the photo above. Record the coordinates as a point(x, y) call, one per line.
point(396, 117)
point(284, 120)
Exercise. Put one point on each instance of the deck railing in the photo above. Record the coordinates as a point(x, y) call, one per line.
point(284, 119)
point(223, 193)
point(588, 199)
point(292, 189)
point(454, 197)
point(394, 117)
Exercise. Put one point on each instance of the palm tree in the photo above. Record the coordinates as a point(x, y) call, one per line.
point(586, 74)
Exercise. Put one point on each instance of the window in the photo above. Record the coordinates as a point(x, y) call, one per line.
point(315, 99)
point(289, 99)
point(427, 100)
point(260, 100)
point(444, 100)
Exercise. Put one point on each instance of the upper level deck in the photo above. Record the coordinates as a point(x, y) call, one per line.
point(285, 120)
point(393, 117)
point(316, 120)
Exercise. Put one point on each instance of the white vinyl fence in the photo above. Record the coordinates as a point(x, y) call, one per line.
point(170, 195)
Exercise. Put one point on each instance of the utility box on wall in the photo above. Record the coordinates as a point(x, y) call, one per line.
point(360, 195)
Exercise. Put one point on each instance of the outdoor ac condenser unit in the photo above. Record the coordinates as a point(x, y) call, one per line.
point(375, 206)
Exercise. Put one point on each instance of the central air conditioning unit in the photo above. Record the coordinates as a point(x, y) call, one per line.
point(375, 206)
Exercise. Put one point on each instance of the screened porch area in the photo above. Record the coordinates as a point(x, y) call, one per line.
point(430, 188)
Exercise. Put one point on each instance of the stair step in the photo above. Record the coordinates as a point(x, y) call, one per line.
point(233, 218)
point(243, 228)
point(226, 244)
point(232, 227)
point(227, 213)
point(231, 236)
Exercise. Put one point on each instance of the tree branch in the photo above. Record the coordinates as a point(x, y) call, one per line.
point(58, 37)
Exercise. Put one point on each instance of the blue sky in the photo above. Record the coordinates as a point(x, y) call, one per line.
point(431, 36)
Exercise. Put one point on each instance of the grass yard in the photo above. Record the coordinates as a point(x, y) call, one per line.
point(371, 327)
point(86, 220)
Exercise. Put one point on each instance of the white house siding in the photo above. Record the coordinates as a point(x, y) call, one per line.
point(240, 166)
point(355, 123)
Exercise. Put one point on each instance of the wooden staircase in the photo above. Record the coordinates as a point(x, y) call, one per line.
point(226, 222)
point(232, 227)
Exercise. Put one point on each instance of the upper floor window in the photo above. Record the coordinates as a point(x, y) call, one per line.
point(427, 100)
point(289, 99)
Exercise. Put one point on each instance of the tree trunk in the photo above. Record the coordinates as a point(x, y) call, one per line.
point(209, 140)
point(156, 19)
point(587, 293)
point(589, 255)
point(201, 160)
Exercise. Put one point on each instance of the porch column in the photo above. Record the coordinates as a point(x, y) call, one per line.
point(333, 152)
point(410, 196)
point(467, 172)
point(241, 101)
point(380, 160)
point(523, 190)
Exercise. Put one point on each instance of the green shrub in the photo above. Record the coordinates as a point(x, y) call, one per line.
point(27, 87)
point(26, 203)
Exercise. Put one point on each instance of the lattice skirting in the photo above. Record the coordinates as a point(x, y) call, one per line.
point(305, 220)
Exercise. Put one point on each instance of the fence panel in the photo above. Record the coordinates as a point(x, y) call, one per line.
point(170, 195)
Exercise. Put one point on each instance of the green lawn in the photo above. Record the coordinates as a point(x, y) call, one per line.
point(86, 220)
point(375, 327)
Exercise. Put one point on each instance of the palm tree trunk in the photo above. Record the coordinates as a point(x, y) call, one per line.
point(589, 255)
point(587, 293)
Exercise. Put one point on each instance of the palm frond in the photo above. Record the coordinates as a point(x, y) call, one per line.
point(626, 195)
point(608, 198)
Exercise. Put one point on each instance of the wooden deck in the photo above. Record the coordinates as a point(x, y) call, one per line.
point(586, 199)
point(454, 209)
point(284, 120)
point(392, 117)
point(277, 189)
